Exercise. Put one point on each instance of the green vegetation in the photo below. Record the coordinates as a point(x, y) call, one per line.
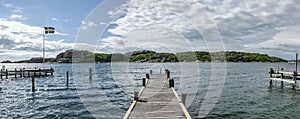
point(70, 56)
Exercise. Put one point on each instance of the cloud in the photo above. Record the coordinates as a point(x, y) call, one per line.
point(242, 24)
point(54, 19)
point(21, 41)
point(87, 24)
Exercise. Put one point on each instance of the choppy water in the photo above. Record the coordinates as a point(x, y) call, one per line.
point(245, 93)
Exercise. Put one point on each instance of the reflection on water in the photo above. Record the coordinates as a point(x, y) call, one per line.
point(246, 92)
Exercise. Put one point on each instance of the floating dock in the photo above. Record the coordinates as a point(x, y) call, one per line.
point(157, 99)
point(284, 76)
point(25, 72)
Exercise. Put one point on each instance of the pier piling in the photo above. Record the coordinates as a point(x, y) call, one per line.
point(6, 74)
point(67, 78)
point(144, 81)
point(90, 73)
point(1, 73)
point(147, 76)
point(32, 84)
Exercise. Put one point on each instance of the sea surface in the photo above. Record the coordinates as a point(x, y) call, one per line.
point(240, 90)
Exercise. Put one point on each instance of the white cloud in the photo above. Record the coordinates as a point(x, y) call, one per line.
point(242, 23)
point(21, 41)
point(54, 19)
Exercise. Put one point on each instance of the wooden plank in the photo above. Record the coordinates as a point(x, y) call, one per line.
point(157, 100)
point(285, 80)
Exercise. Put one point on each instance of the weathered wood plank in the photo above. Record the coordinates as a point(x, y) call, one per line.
point(157, 101)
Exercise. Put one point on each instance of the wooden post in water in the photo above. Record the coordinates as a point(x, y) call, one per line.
point(67, 78)
point(147, 76)
point(6, 74)
point(171, 83)
point(159, 70)
point(15, 72)
point(281, 76)
point(144, 81)
point(296, 62)
point(20, 73)
point(23, 72)
point(183, 98)
point(40, 72)
point(1, 73)
point(168, 74)
point(32, 82)
point(51, 71)
point(90, 74)
point(136, 95)
point(150, 72)
point(294, 79)
point(271, 75)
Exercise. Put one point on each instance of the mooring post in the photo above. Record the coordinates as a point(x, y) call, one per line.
point(271, 75)
point(52, 71)
point(150, 72)
point(168, 74)
point(32, 82)
point(90, 74)
point(1, 73)
point(159, 70)
point(296, 62)
point(15, 72)
point(183, 98)
point(40, 72)
point(20, 72)
point(171, 83)
point(144, 81)
point(6, 74)
point(281, 76)
point(147, 76)
point(136, 95)
point(67, 78)
point(294, 79)
point(23, 72)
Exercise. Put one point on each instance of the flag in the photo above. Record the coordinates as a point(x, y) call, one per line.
point(49, 30)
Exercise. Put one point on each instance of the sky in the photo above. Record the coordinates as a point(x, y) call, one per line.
point(264, 26)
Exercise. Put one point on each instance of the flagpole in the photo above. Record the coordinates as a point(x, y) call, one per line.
point(44, 46)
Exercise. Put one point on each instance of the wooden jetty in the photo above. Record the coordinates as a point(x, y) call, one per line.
point(25, 72)
point(284, 76)
point(157, 99)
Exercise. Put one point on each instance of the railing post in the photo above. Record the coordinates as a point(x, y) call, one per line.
point(23, 72)
point(147, 76)
point(150, 72)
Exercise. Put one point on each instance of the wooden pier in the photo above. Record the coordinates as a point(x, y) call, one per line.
point(157, 99)
point(282, 75)
point(4, 74)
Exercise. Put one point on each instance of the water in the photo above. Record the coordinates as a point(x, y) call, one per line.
point(245, 94)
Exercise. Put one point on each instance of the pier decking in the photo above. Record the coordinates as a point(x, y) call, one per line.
point(157, 99)
point(282, 75)
point(25, 72)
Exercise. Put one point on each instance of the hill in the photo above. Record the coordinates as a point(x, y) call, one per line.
point(70, 56)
